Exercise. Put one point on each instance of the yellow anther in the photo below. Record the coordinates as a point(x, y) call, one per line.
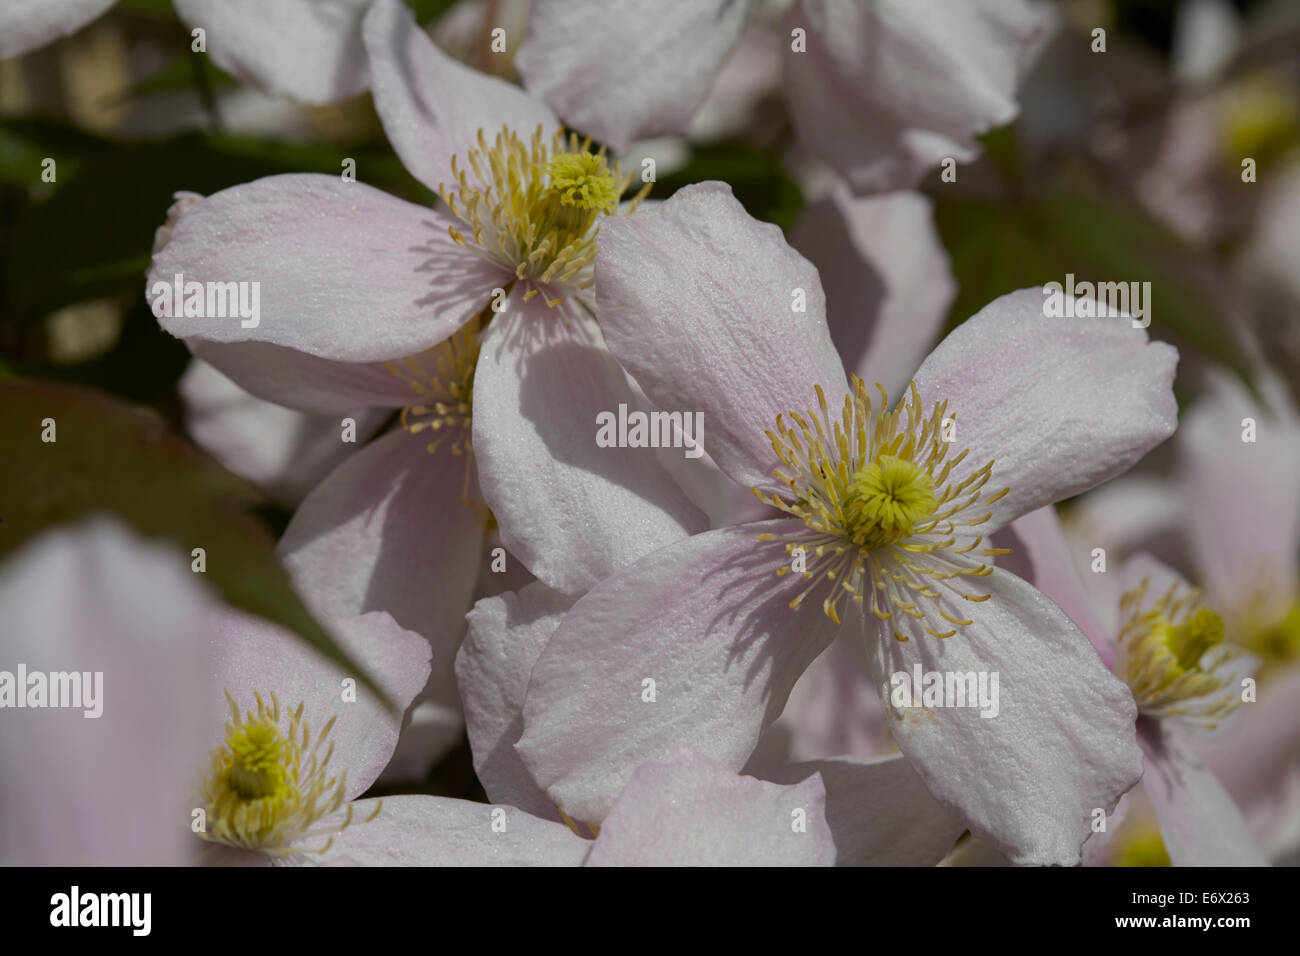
point(884, 513)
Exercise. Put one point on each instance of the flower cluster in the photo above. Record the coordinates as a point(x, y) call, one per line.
point(849, 625)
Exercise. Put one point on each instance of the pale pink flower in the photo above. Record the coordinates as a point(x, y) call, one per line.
point(1043, 409)
point(368, 301)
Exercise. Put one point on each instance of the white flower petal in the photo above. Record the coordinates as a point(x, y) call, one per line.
point(1058, 404)
point(309, 50)
point(114, 789)
point(1061, 744)
point(435, 831)
point(622, 70)
point(689, 810)
point(28, 24)
point(571, 511)
point(693, 646)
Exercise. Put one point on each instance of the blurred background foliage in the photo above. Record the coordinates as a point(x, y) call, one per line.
point(130, 117)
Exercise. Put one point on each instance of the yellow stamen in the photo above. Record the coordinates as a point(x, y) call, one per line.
point(885, 514)
point(1173, 656)
point(270, 783)
point(532, 207)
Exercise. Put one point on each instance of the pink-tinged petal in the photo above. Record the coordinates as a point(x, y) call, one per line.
point(304, 382)
point(888, 280)
point(1258, 760)
point(436, 831)
point(388, 531)
point(431, 730)
point(28, 24)
point(871, 150)
point(887, 89)
point(1245, 522)
point(1042, 556)
point(689, 810)
point(621, 70)
point(309, 50)
point(1200, 823)
point(1159, 576)
point(750, 75)
point(540, 384)
point(284, 452)
point(704, 628)
point(1057, 404)
point(879, 811)
point(1134, 511)
point(251, 657)
point(722, 501)
point(115, 788)
point(345, 271)
point(506, 635)
point(1061, 743)
point(433, 107)
point(834, 710)
point(697, 300)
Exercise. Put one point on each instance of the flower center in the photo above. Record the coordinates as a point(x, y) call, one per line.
point(875, 489)
point(1278, 641)
point(1173, 656)
point(886, 500)
point(1140, 845)
point(532, 208)
point(270, 783)
point(257, 760)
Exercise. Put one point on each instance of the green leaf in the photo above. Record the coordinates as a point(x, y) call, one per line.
point(25, 144)
point(115, 457)
point(427, 11)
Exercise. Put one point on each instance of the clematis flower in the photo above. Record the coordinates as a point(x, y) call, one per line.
point(891, 526)
point(305, 49)
point(1231, 519)
point(883, 91)
point(1170, 647)
point(276, 780)
point(369, 301)
point(160, 776)
point(1244, 526)
point(1242, 502)
point(878, 810)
